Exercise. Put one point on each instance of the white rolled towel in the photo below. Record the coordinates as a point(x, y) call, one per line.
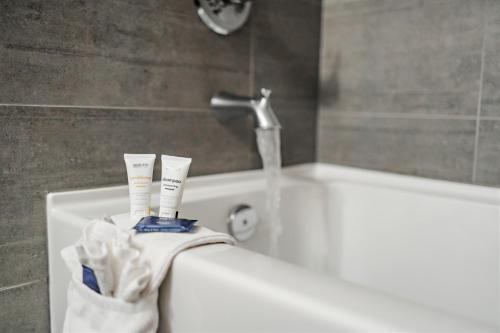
point(110, 252)
point(129, 269)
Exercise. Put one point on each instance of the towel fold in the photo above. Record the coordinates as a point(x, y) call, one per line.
point(129, 268)
point(114, 258)
point(160, 248)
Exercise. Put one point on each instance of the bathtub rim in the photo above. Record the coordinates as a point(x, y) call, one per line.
point(61, 206)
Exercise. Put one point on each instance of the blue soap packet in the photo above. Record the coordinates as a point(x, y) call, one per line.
point(164, 224)
point(89, 279)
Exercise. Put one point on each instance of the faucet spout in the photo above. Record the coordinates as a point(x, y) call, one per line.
point(228, 106)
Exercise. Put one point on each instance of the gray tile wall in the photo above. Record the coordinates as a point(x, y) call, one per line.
point(412, 86)
point(82, 82)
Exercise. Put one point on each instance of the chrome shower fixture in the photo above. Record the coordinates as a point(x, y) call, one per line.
point(224, 16)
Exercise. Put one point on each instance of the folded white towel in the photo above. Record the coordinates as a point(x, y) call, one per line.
point(129, 268)
point(160, 248)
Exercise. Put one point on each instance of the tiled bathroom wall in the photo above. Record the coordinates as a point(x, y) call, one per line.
point(82, 82)
point(412, 86)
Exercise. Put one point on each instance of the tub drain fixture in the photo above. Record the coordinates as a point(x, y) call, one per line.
point(242, 222)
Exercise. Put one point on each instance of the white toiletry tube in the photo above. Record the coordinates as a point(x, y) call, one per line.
point(140, 176)
point(174, 172)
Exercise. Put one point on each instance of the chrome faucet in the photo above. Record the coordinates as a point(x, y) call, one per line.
point(227, 106)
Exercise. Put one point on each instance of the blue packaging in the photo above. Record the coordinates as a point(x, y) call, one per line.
point(164, 224)
point(89, 279)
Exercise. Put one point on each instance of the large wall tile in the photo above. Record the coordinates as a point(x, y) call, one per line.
point(490, 102)
point(25, 309)
point(115, 53)
point(435, 148)
point(285, 48)
point(298, 133)
point(22, 262)
point(270, 9)
point(23, 209)
point(488, 154)
point(414, 57)
point(39, 78)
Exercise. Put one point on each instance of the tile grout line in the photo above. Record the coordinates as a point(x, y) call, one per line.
point(319, 83)
point(23, 241)
point(251, 86)
point(480, 96)
point(401, 115)
point(103, 107)
point(490, 117)
point(25, 284)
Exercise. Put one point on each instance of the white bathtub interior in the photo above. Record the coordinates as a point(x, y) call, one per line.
point(428, 242)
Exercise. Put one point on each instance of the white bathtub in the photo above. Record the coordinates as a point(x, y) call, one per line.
point(362, 251)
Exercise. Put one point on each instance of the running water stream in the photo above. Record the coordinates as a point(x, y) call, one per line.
point(268, 143)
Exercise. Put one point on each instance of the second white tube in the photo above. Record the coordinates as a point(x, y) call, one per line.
point(174, 172)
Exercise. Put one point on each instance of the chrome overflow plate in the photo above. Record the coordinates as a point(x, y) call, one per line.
point(224, 16)
point(242, 222)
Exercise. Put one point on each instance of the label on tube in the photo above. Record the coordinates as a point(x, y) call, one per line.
point(140, 176)
point(174, 172)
